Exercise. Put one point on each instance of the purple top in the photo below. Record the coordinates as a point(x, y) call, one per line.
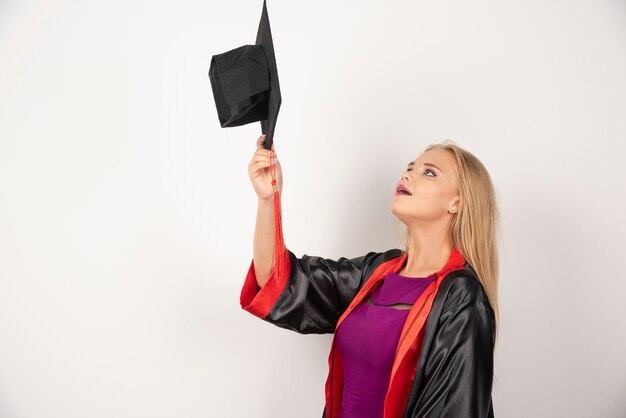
point(367, 340)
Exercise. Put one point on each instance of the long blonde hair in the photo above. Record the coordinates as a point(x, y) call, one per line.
point(475, 229)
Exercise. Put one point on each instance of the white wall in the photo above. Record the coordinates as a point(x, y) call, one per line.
point(127, 215)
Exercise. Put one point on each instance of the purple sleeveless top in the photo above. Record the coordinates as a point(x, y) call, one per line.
point(367, 339)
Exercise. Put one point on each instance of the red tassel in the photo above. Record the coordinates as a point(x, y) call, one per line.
point(279, 245)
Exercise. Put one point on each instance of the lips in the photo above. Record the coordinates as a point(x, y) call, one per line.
point(402, 189)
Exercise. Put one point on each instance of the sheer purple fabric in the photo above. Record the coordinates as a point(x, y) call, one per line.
point(367, 339)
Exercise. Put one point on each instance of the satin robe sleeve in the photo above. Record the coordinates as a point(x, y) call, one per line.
point(312, 296)
point(459, 369)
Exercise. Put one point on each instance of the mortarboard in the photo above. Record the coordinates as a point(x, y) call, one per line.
point(245, 83)
point(246, 89)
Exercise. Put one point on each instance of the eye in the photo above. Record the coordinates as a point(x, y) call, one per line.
point(428, 169)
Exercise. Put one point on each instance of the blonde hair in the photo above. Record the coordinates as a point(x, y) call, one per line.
point(475, 228)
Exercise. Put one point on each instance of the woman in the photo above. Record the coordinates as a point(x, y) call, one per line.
point(414, 329)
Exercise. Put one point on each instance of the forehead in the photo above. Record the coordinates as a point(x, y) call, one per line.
point(439, 157)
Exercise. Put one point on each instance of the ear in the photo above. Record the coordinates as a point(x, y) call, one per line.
point(458, 203)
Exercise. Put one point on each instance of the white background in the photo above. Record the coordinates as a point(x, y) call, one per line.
point(127, 215)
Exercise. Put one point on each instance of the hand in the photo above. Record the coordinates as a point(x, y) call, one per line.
point(260, 172)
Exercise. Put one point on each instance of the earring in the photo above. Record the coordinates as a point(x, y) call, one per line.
point(453, 209)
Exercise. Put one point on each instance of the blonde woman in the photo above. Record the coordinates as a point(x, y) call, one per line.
point(414, 328)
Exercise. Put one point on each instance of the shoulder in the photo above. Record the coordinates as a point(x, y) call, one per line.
point(465, 305)
point(463, 288)
point(363, 263)
point(388, 254)
point(373, 259)
point(377, 258)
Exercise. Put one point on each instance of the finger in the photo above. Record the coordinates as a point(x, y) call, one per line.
point(263, 151)
point(259, 160)
point(260, 141)
point(259, 164)
point(259, 157)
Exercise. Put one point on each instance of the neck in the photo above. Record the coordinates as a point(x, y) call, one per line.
point(428, 251)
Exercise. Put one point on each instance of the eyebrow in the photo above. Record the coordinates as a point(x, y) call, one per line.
point(427, 164)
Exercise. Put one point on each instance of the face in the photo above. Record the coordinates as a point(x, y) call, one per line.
point(432, 180)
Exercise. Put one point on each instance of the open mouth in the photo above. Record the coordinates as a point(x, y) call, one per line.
point(401, 190)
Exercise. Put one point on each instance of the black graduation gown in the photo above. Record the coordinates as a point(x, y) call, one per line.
point(453, 377)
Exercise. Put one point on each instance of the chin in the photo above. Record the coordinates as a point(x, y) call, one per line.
point(401, 211)
point(405, 211)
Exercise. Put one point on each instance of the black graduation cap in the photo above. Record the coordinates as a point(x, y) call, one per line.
point(245, 83)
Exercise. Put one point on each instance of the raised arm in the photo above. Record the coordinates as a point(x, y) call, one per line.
point(259, 173)
point(313, 291)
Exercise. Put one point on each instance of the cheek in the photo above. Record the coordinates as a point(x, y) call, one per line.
point(430, 197)
point(429, 192)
